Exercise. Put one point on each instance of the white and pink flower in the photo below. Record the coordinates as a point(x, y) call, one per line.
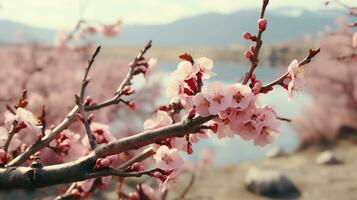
point(186, 79)
point(160, 119)
point(168, 159)
point(296, 75)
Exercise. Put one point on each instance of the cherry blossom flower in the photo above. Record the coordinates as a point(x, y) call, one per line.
point(202, 105)
point(267, 126)
point(168, 159)
point(160, 119)
point(152, 63)
point(296, 74)
point(218, 97)
point(242, 96)
point(186, 78)
point(224, 128)
point(23, 116)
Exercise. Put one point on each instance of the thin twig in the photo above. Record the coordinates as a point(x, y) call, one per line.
point(281, 79)
point(14, 129)
point(259, 44)
point(70, 117)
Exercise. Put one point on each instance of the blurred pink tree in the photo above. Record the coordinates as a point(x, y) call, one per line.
point(332, 85)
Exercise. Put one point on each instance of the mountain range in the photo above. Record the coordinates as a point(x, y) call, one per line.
point(206, 30)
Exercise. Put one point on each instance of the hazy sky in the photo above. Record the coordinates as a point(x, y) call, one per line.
point(65, 13)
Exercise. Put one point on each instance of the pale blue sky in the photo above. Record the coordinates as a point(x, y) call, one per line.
point(64, 13)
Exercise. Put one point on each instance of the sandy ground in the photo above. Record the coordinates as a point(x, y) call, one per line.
point(315, 182)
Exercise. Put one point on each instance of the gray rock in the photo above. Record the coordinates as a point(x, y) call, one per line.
point(327, 158)
point(276, 152)
point(270, 183)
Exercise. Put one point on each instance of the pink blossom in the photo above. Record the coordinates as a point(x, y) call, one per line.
point(242, 96)
point(267, 126)
point(202, 105)
point(160, 119)
point(185, 79)
point(24, 116)
point(152, 63)
point(296, 74)
point(224, 128)
point(218, 97)
point(168, 159)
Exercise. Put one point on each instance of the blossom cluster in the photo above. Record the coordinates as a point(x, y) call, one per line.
point(233, 107)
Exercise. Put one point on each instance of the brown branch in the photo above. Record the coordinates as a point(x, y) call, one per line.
point(126, 82)
point(259, 44)
point(27, 177)
point(80, 101)
point(14, 129)
point(70, 118)
point(86, 122)
point(280, 80)
point(284, 119)
point(138, 158)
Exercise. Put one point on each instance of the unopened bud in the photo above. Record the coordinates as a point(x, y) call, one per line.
point(247, 36)
point(249, 55)
point(132, 105)
point(262, 23)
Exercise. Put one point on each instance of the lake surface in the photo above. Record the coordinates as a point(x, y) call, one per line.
point(229, 151)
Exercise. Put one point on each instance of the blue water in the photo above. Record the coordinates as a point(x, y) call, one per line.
point(229, 151)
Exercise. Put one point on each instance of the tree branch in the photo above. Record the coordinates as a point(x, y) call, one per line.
point(281, 79)
point(28, 177)
point(259, 44)
point(70, 118)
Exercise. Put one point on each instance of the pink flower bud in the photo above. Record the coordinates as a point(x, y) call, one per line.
point(137, 167)
point(249, 55)
point(262, 23)
point(132, 105)
point(157, 174)
point(256, 88)
point(247, 36)
point(105, 162)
